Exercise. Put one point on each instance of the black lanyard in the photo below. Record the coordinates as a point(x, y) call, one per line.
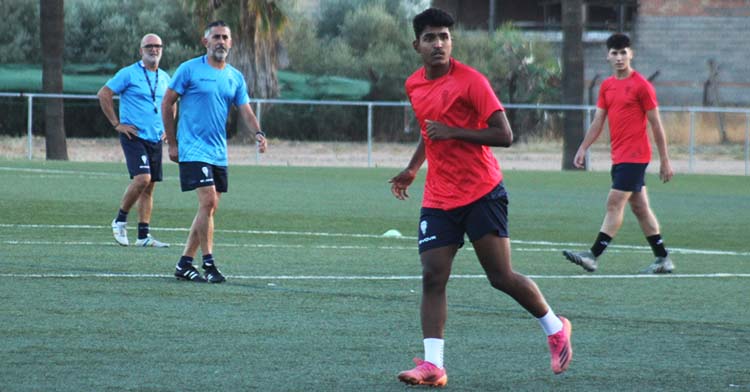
point(153, 90)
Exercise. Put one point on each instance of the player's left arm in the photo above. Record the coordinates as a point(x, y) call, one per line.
point(660, 138)
point(246, 112)
point(497, 134)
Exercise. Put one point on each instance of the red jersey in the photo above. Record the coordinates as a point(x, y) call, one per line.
point(626, 102)
point(458, 172)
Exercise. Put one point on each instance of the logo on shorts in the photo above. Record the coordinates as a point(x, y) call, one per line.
point(207, 179)
point(423, 227)
point(144, 159)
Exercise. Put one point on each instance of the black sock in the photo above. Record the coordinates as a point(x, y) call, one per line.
point(142, 230)
point(122, 216)
point(657, 245)
point(185, 261)
point(208, 260)
point(601, 243)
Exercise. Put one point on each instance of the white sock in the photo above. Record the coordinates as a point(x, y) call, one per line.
point(550, 323)
point(433, 351)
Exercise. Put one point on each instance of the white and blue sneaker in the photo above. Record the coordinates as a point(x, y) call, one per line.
point(150, 242)
point(120, 232)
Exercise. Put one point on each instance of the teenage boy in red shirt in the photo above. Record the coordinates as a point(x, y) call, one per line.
point(460, 117)
point(628, 101)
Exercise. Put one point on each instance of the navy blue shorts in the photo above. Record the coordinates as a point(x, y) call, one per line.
point(489, 214)
point(199, 174)
point(629, 177)
point(142, 157)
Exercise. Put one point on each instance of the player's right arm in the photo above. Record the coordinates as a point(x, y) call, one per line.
point(593, 133)
point(402, 180)
point(168, 117)
point(106, 102)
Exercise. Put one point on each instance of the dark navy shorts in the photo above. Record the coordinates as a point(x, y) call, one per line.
point(629, 177)
point(142, 157)
point(199, 174)
point(489, 214)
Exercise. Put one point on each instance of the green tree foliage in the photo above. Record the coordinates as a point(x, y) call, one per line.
point(109, 31)
point(520, 71)
point(372, 40)
point(20, 29)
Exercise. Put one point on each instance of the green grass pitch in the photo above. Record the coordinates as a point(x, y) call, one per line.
point(318, 300)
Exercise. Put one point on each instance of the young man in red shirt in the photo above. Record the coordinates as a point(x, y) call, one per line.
point(460, 117)
point(627, 100)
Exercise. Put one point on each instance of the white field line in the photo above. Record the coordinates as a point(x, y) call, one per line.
point(366, 277)
point(550, 246)
point(56, 171)
point(289, 246)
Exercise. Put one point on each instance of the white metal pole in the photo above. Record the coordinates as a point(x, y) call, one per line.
point(587, 163)
point(691, 152)
point(369, 135)
point(258, 115)
point(747, 144)
point(29, 122)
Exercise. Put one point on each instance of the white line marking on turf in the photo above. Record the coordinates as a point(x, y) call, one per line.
point(365, 277)
point(293, 246)
point(611, 248)
point(58, 171)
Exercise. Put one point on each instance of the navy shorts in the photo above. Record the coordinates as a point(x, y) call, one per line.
point(629, 177)
point(489, 214)
point(199, 174)
point(142, 157)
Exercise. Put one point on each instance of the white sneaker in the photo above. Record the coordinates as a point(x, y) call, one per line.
point(120, 231)
point(151, 242)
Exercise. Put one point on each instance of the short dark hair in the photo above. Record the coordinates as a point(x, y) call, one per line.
point(618, 41)
point(434, 17)
point(213, 24)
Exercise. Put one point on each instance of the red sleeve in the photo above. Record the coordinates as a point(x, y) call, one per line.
point(647, 96)
point(601, 102)
point(483, 98)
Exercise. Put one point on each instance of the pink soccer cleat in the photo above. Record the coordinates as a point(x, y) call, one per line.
point(424, 374)
point(560, 347)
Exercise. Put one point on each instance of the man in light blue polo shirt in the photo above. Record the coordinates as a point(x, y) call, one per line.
point(207, 86)
point(141, 87)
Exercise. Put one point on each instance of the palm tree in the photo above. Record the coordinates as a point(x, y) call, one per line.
point(256, 28)
point(52, 29)
point(572, 70)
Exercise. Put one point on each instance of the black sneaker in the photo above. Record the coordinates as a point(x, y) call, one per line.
point(213, 275)
point(188, 273)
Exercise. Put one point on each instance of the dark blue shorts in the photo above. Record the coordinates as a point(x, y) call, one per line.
point(629, 177)
point(142, 157)
point(199, 174)
point(489, 214)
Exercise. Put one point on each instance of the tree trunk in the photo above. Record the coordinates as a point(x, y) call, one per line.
point(52, 29)
point(256, 56)
point(572, 84)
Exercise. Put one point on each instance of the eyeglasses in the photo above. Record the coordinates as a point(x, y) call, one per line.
point(152, 46)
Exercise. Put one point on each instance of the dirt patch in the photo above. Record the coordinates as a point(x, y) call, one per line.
point(531, 156)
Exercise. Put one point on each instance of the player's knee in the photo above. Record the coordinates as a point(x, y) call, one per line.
point(434, 280)
point(502, 282)
point(141, 181)
point(640, 209)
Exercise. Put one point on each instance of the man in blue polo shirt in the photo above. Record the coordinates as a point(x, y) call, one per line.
point(141, 87)
point(206, 86)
